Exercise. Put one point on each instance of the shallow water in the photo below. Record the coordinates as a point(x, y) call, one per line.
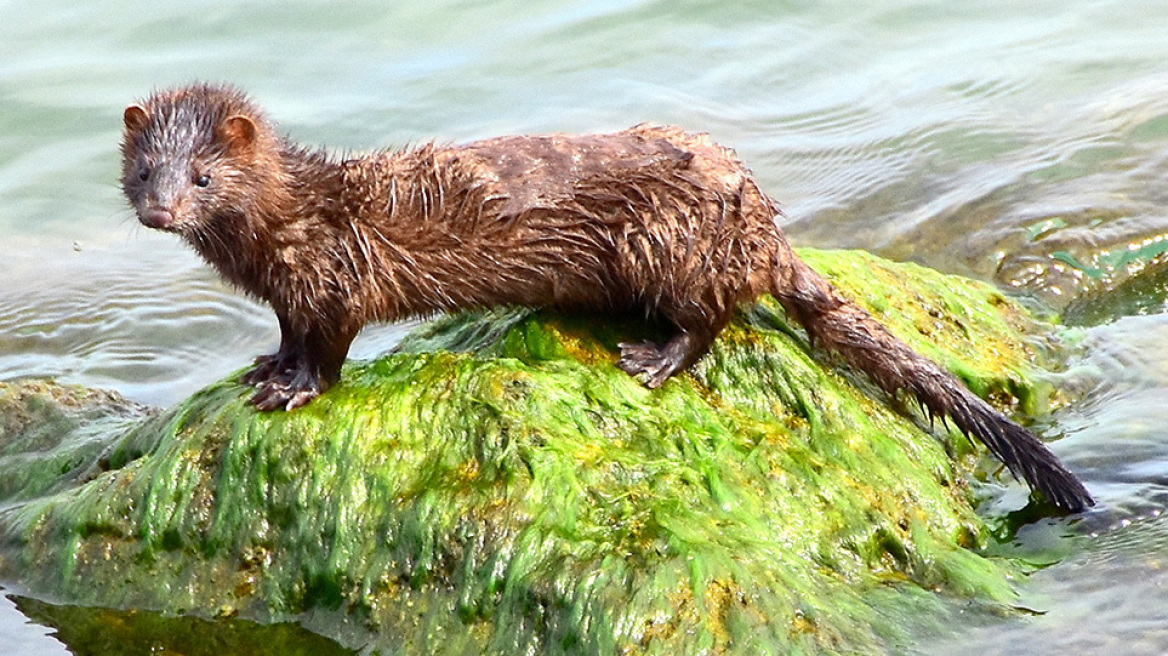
point(1021, 143)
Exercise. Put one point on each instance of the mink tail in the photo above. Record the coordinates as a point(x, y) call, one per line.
point(835, 323)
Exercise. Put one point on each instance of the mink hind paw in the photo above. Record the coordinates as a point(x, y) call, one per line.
point(647, 362)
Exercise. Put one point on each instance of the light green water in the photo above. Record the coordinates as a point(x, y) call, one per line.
point(1021, 143)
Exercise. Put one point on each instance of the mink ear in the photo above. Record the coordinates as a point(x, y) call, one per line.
point(238, 131)
point(135, 118)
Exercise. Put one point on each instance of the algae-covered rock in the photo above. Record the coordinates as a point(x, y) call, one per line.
point(497, 485)
point(52, 435)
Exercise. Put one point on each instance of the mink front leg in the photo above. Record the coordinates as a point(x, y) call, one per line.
point(306, 365)
point(278, 365)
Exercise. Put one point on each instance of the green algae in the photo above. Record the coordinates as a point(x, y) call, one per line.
point(497, 485)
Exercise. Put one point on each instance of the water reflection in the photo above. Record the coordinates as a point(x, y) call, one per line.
point(103, 632)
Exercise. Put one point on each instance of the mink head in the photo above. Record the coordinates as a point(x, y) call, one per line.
point(193, 157)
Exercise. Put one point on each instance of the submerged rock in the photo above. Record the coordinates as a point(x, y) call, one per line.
point(497, 485)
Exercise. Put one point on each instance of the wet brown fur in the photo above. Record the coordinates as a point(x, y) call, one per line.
point(651, 219)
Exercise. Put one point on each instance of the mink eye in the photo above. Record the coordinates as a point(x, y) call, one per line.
point(203, 180)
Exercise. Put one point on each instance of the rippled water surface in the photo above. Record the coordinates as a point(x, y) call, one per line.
point(1021, 143)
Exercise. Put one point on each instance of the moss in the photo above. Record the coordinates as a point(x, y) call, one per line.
point(497, 485)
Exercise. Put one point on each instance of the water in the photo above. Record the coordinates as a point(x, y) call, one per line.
point(1020, 143)
point(19, 636)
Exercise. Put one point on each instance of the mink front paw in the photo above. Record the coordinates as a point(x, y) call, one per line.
point(269, 368)
point(646, 362)
point(287, 390)
point(276, 395)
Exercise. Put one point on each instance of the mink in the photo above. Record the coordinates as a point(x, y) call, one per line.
point(651, 220)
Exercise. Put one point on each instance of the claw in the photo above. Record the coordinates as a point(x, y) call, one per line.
point(300, 398)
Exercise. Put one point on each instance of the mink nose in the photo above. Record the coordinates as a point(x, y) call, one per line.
point(157, 218)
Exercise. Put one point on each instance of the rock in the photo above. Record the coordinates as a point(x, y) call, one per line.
point(497, 485)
